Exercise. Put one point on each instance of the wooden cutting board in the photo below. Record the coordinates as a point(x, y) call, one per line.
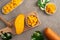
point(12, 28)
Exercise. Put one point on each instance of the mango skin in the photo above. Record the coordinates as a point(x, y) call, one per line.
point(19, 23)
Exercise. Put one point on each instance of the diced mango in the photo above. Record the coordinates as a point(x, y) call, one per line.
point(32, 20)
point(11, 5)
point(50, 8)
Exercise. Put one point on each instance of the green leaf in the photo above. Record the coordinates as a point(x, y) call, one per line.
point(37, 35)
point(6, 36)
point(42, 4)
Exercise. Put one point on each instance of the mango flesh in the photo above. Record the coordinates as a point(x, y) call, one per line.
point(32, 20)
point(19, 24)
point(11, 5)
point(51, 8)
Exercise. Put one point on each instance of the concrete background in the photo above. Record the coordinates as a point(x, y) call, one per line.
point(27, 6)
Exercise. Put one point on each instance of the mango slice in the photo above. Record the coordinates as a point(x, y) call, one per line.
point(11, 5)
point(19, 24)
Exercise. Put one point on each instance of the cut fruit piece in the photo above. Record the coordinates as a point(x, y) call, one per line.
point(19, 24)
point(11, 5)
point(50, 8)
point(32, 19)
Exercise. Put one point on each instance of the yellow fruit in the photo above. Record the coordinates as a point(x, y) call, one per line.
point(50, 8)
point(11, 5)
point(19, 24)
point(32, 20)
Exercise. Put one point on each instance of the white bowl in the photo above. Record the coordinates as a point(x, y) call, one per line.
point(46, 11)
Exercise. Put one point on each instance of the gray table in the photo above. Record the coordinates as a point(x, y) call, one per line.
point(52, 21)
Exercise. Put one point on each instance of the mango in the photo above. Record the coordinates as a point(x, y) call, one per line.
point(19, 23)
point(32, 20)
point(10, 6)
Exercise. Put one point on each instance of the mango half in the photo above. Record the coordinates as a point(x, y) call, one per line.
point(19, 23)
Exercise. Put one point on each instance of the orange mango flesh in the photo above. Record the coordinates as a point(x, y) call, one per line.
point(19, 24)
point(32, 20)
point(10, 6)
point(50, 8)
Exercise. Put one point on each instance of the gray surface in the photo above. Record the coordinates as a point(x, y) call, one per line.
point(52, 21)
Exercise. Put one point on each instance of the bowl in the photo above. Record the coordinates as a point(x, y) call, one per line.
point(50, 8)
point(32, 13)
